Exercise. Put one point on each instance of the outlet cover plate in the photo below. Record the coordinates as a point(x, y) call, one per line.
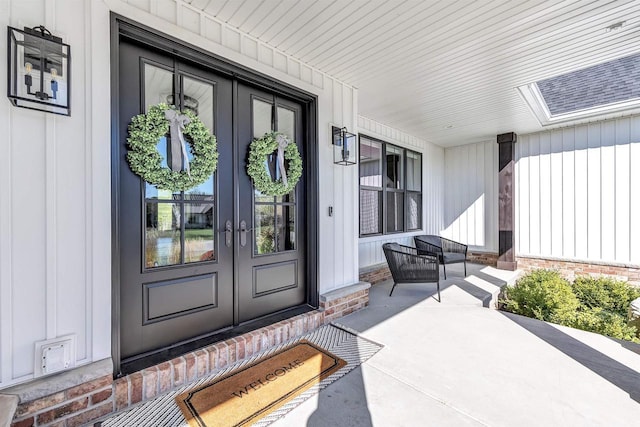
point(54, 355)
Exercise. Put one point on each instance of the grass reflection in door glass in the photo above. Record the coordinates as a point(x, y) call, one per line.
point(264, 229)
point(162, 236)
point(198, 232)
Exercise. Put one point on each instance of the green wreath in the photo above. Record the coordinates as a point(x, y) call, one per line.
point(144, 159)
point(259, 150)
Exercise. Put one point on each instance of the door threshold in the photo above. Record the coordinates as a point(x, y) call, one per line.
point(140, 362)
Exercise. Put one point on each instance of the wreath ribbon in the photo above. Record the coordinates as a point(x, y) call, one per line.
point(282, 144)
point(179, 156)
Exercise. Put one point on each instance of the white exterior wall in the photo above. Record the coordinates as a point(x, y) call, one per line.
point(578, 192)
point(471, 195)
point(55, 210)
point(433, 166)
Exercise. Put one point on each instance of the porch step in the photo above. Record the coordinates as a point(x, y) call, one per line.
point(8, 405)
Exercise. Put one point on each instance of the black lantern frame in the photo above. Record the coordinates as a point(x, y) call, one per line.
point(345, 148)
point(39, 70)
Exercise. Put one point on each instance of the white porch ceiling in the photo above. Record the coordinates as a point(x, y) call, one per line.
point(443, 71)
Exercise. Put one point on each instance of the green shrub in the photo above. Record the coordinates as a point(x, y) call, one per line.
point(603, 322)
point(541, 294)
point(592, 304)
point(608, 294)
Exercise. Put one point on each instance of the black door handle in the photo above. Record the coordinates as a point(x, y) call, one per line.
point(243, 233)
point(228, 233)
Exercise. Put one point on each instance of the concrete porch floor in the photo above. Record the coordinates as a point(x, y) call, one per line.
point(457, 363)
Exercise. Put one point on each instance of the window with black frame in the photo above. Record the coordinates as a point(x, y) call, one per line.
point(390, 188)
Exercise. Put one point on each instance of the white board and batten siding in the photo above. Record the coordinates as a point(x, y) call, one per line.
point(55, 209)
point(471, 195)
point(578, 192)
point(433, 165)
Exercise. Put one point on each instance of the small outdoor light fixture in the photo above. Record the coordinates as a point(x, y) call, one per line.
point(39, 66)
point(345, 149)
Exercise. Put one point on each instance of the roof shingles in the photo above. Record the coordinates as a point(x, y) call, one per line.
point(613, 81)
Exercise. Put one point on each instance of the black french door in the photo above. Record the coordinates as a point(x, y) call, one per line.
point(198, 263)
point(272, 265)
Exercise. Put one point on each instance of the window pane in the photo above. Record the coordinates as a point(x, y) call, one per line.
point(414, 211)
point(370, 208)
point(162, 235)
point(198, 232)
point(286, 123)
point(158, 86)
point(262, 198)
point(414, 171)
point(395, 211)
point(264, 229)
point(203, 191)
point(153, 192)
point(262, 118)
point(286, 238)
point(370, 163)
point(287, 198)
point(394, 167)
point(198, 98)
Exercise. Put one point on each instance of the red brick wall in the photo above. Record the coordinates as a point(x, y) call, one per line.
point(571, 269)
point(485, 258)
point(340, 307)
point(72, 407)
point(376, 276)
point(89, 401)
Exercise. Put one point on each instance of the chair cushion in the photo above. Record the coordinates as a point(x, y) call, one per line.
point(432, 240)
point(451, 257)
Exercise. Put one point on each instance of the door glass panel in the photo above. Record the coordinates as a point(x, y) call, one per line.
point(262, 118)
point(287, 198)
point(274, 220)
point(162, 234)
point(163, 243)
point(286, 122)
point(264, 229)
point(262, 198)
point(158, 86)
point(153, 192)
point(198, 232)
point(285, 227)
point(394, 167)
point(203, 191)
point(198, 98)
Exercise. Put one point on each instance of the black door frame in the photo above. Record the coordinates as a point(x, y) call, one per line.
point(122, 27)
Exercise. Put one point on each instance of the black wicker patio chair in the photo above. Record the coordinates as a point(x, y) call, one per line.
point(448, 251)
point(407, 266)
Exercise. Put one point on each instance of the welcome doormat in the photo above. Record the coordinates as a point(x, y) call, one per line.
point(163, 410)
point(258, 389)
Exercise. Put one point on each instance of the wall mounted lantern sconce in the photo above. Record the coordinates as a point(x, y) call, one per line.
point(39, 70)
point(345, 148)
